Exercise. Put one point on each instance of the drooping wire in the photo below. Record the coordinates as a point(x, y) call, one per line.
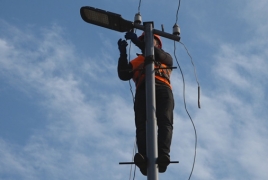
point(186, 47)
point(194, 73)
point(184, 90)
point(184, 100)
point(177, 13)
point(191, 62)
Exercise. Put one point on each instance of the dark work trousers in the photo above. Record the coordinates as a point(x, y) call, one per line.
point(164, 115)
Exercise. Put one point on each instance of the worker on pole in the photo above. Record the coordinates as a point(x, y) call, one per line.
point(135, 69)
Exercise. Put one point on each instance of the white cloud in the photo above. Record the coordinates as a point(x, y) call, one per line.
point(90, 123)
point(79, 127)
point(231, 124)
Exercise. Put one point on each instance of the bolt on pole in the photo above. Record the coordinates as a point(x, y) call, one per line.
point(151, 132)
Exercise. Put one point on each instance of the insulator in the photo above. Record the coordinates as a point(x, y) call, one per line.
point(137, 19)
point(176, 30)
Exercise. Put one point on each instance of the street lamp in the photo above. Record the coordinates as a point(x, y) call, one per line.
point(105, 19)
point(115, 22)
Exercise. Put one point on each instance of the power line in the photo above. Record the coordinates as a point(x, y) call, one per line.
point(178, 12)
point(184, 90)
point(185, 106)
point(135, 145)
point(139, 6)
point(194, 73)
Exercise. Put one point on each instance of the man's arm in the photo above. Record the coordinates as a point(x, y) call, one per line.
point(163, 57)
point(124, 69)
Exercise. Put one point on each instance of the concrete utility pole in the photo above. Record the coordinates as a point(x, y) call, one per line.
point(151, 132)
point(116, 22)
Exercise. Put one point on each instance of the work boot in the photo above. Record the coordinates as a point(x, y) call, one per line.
point(163, 161)
point(141, 162)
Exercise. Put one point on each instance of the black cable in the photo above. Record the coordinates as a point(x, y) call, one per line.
point(134, 173)
point(191, 62)
point(178, 11)
point(133, 98)
point(184, 90)
point(129, 81)
point(139, 6)
point(133, 153)
point(186, 109)
point(135, 145)
point(199, 106)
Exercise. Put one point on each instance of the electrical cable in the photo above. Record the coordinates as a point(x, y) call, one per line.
point(129, 81)
point(135, 145)
point(184, 89)
point(178, 12)
point(133, 98)
point(186, 109)
point(194, 73)
point(129, 56)
point(139, 6)
point(189, 56)
point(133, 153)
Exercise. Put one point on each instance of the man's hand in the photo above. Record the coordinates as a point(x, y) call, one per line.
point(133, 37)
point(122, 46)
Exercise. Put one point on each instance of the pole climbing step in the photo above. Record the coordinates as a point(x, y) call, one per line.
point(125, 163)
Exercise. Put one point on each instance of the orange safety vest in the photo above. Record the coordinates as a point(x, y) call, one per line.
point(139, 75)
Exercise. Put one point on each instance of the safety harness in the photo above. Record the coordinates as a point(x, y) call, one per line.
point(162, 72)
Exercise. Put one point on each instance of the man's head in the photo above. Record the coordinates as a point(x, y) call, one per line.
point(157, 43)
point(157, 40)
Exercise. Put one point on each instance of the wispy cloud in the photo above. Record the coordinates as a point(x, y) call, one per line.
point(90, 125)
point(81, 121)
point(231, 124)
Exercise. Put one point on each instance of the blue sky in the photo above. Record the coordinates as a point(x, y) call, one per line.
point(64, 114)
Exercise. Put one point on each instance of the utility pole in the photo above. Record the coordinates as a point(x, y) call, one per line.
point(151, 132)
point(116, 22)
